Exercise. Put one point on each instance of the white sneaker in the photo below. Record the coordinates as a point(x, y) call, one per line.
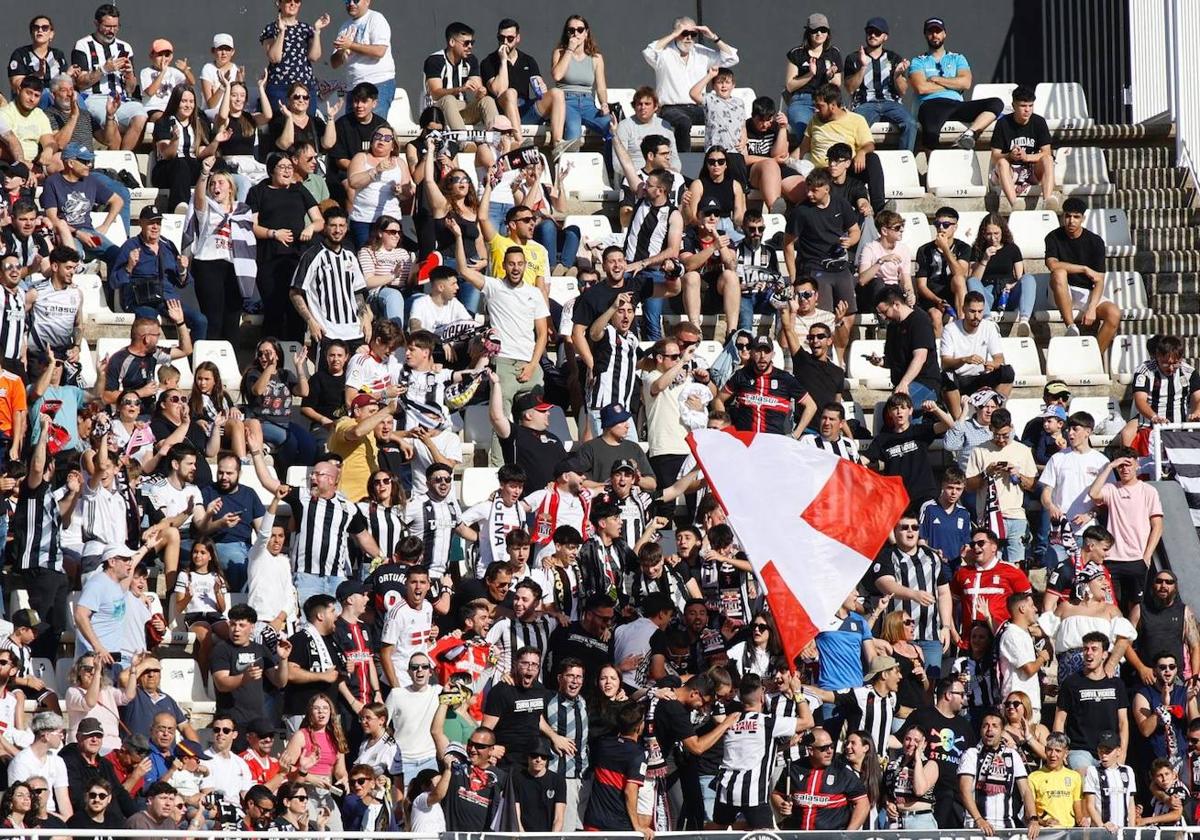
point(1073, 330)
point(1022, 329)
point(966, 140)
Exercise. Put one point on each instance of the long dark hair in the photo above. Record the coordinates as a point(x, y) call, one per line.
point(198, 126)
point(589, 43)
point(218, 392)
point(980, 247)
point(870, 774)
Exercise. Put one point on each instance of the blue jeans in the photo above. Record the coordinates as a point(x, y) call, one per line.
point(581, 111)
point(121, 190)
point(387, 302)
point(932, 649)
point(195, 319)
point(105, 251)
point(652, 307)
point(387, 92)
point(709, 793)
point(924, 821)
point(469, 297)
point(920, 393)
point(751, 305)
point(293, 444)
point(497, 210)
point(410, 769)
point(1014, 531)
point(309, 585)
point(360, 232)
point(233, 558)
point(562, 243)
point(799, 113)
point(894, 113)
point(1081, 760)
point(1021, 298)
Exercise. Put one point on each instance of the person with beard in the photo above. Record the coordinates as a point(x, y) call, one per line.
point(763, 398)
point(516, 711)
point(605, 556)
point(822, 793)
point(947, 735)
point(234, 513)
point(938, 78)
point(816, 371)
point(565, 501)
point(1165, 624)
point(993, 783)
point(466, 658)
point(433, 517)
point(97, 812)
point(528, 627)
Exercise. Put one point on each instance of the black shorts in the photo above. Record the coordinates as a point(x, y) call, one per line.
point(833, 288)
point(757, 816)
point(209, 618)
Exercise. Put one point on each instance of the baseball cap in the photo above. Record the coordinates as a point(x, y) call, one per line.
point(161, 45)
point(542, 748)
point(222, 39)
point(933, 23)
point(877, 23)
point(1057, 389)
point(89, 726)
point(613, 414)
point(188, 748)
point(1055, 411)
point(138, 743)
point(530, 400)
point(116, 551)
point(502, 123)
point(626, 464)
point(348, 588)
point(1108, 740)
point(363, 399)
point(78, 151)
point(709, 205)
point(816, 20)
point(26, 618)
point(15, 170)
point(762, 342)
point(149, 214)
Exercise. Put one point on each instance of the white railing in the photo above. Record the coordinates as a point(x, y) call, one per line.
point(1164, 76)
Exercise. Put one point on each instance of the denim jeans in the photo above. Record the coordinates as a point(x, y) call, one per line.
point(932, 648)
point(800, 113)
point(196, 320)
point(581, 111)
point(105, 250)
point(751, 305)
point(497, 210)
point(923, 821)
point(121, 190)
point(709, 793)
point(387, 302)
point(1081, 760)
point(294, 445)
point(308, 585)
point(894, 113)
point(652, 307)
point(561, 243)
point(387, 92)
point(1012, 544)
point(410, 769)
point(360, 233)
point(1021, 299)
point(233, 558)
point(919, 393)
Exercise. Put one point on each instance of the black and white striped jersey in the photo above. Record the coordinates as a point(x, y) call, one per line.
point(434, 522)
point(320, 544)
point(1169, 396)
point(648, 230)
point(330, 280)
point(745, 776)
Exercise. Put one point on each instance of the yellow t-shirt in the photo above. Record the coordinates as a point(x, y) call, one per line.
point(850, 128)
point(537, 259)
point(28, 129)
point(1055, 793)
point(359, 459)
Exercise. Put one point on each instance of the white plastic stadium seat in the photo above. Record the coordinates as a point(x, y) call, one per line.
point(1127, 291)
point(1022, 355)
point(773, 223)
point(95, 308)
point(87, 365)
point(747, 95)
point(587, 179)
point(1075, 360)
point(1081, 170)
point(1127, 354)
point(900, 176)
point(708, 351)
point(221, 354)
point(917, 231)
point(172, 229)
point(622, 97)
point(124, 160)
point(1023, 409)
point(477, 428)
point(1105, 411)
point(1001, 90)
point(563, 289)
point(968, 225)
point(595, 227)
point(297, 476)
point(1029, 229)
point(248, 477)
point(466, 162)
point(1112, 225)
point(117, 234)
point(1062, 104)
point(477, 484)
point(400, 115)
point(862, 371)
point(955, 173)
point(181, 680)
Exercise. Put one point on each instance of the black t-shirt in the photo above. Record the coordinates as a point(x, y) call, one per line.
point(538, 797)
point(473, 797)
point(762, 402)
point(828, 65)
point(852, 191)
point(1007, 135)
point(906, 337)
point(614, 761)
point(280, 208)
point(824, 381)
point(195, 435)
point(1091, 707)
point(25, 62)
point(932, 265)
point(598, 298)
point(519, 711)
point(312, 132)
point(906, 454)
point(821, 799)
point(326, 393)
point(576, 642)
point(999, 269)
point(538, 453)
point(946, 739)
point(519, 74)
point(672, 724)
point(352, 137)
point(760, 142)
point(1087, 249)
point(692, 245)
point(110, 821)
point(818, 230)
point(131, 371)
point(245, 703)
point(296, 696)
point(464, 593)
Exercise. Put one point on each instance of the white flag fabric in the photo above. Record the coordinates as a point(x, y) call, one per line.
point(810, 522)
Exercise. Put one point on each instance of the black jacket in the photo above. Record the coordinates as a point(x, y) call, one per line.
point(80, 775)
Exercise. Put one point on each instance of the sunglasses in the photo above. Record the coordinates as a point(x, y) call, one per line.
point(979, 543)
point(152, 671)
point(475, 745)
point(357, 782)
point(42, 27)
point(576, 30)
point(131, 402)
point(689, 33)
point(300, 97)
point(301, 798)
point(506, 39)
point(441, 478)
point(909, 527)
point(39, 791)
point(806, 295)
point(392, 231)
point(1013, 704)
point(896, 227)
point(524, 219)
point(420, 667)
point(942, 225)
point(820, 30)
point(381, 481)
point(223, 730)
point(756, 229)
point(678, 355)
point(715, 162)
point(1168, 667)
point(873, 33)
point(762, 627)
point(470, 42)
point(819, 337)
point(741, 348)
point(1164, 582)
point(1190, 741)
point(908, 622)
point(458, 179)
point(97, 794)
point(822, 747)
point(176, 398)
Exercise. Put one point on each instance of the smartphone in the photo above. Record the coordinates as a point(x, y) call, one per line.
point(520, 158)
point(617, 110)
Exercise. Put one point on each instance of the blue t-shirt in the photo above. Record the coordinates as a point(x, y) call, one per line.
point(948, 66)
point(106, 599)
point(138, 714)
point(243, 500)
point(67, 416)
point(840, 647)
point(74, 201)
point(945, 532)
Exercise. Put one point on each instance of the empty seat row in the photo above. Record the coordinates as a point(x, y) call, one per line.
point(962, 173)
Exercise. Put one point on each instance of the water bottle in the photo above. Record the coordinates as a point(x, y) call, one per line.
point(537, 87)
point(1003, 302)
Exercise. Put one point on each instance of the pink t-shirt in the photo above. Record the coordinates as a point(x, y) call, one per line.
point(1130, 508)
point(889, 272)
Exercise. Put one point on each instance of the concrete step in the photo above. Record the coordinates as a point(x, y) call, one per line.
point(1136, 199)
point(1152, 262)
point(1127, 157)
point(1175, 304)
point(1148, 178)
point(1163, 217)
point(1168, 239)
point(1184, 325)
point(1185, 283)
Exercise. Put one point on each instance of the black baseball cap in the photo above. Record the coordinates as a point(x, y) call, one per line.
point(933, 23)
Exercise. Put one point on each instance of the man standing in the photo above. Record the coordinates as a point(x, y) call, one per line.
point(993, 783)
point(940, 78)
point(596, 459)
point(1021, 154)
point(317, 665)
point(240, 665)
point(453, 84)
point(1166, 625)
point(1077, 263)
point(55, 307)
point(679, 62)
point(588, 640)
point(516, 711)
point(355, 128)
point(821, 793)
point(909, 351)
point(972, 356)
point(809, 335)
point(761, 398)
point(84, 765)
point(328, 285)
point(948, 734)
point(407, 628)
point(877, 80)
point(470, 792)
point(982, 584)
point(1066, 480)
point(1135, 518)
point(1092, 702)
point(567, 714)
point(1020, 659)
point(1000, 472)
point(364, 47)
point(354, 441)
point(870, 707)
point(521, 92)
point(107, 73)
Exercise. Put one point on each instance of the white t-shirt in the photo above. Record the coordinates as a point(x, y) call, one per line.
point(1069, 475)
point(26, 765)
point(371, 29)
point(498, 519)
point(957, 342)
point(411, 712)
point(365, 371)
point(631, 638)
point(382, 756)
point(410, 631)
point(171, 501)
point(172, 78)
point(426, 818)
point(431, 315)
point(512, 311)
point(1016, 649)
point(229, 774)
point(209, 73)
point(204, 591)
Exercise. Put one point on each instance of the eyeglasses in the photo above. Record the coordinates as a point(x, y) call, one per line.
point(97, 794)
point(131, 402)
point(420, 666)
point(165, 52)
point(153, 671)
point(912, 526)
point(176, 398)
point(469, 42)
point(895, 227)
point(678, 355)
point(1165, 667)
point(908, 622)
point(689, 33)
point(1164, 582)
point(301, 798)
point(392, 231)
point(822, 747)
point(39, 791)
point(873, 33)
point(1194, 740)
point(523, 219)
point(223, 730)
point(819, 337)
point(441, 479)
point(576, 30)
point(475, 745)
point(715, 162)
point(458, 179)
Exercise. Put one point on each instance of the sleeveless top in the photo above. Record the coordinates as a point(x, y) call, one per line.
point(328, 751)
point(580, 76)
point(722, 192)
point(445, 239)
point(1162, 630)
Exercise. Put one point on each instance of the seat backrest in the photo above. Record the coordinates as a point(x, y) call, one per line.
point(558, 425)
point(477, 484)
point(858, 366)
point(400, 115)
point(477, 428)
point(1061, 101)
point(1126, 290)
point(118, 160)
point(466, 162)
point(1070, 357)
point(968, 225)
point(1023, 409)
point(221, 354)
point(117, 234)
point(1001, 90)
point(586, 176)
point(1111, 224)
point(1022, 354)
point(594, 226)
point(951, 168)
point(1127, 354)
point(1029, 229)
point(297, 476)
point(747, 95)
point(917, 231)
point(181, 679)
point(623, 97)
point(563, 289)
point(899, 168)
point(172, 229)
point(708, 351)
point(1100, 408)
point(773, 224)
point(1080, 165)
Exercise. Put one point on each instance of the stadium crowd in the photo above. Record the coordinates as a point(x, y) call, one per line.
point(586, 646)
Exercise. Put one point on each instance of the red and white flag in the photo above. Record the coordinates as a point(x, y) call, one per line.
point(811, 522)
